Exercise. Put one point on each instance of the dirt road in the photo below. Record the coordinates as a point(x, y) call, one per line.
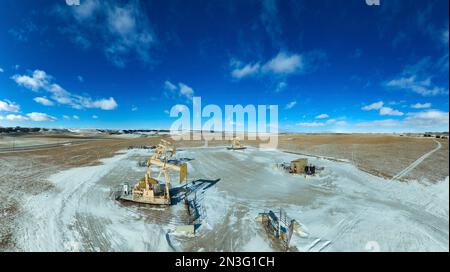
point(417, 162)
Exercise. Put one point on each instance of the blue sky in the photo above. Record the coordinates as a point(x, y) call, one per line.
point(337, 66)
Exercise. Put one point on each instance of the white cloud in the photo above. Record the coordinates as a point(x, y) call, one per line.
point(322, 116)
point(373, 106)
point(418, 77)
point(381, 123)
point(429, 118)
point(1, 70)
point(104, 104)
point(182, 90)
point(7, 105)
point(421, 106)
point(134, 108)
point(23, 30)
point(76, 117)
point(121, 30)
point(40, 117)
point(281, 86)
point(186, 91)
point(270, 20)
point(39, 80)
point(247, 70)
point(335, 122)
point(340, 123)
point(169, 86)
point(282, 64)
point(80, 78)
point(86, 10)
point(444, 37)
point(422, 87)
point(66, 117)
point(16, 117)
point(122, 21)
point(33, 116)
point(290, 105)
point(390, 111)
point(311, 124)
point(382, 110)
point(44, 101)
point(94, 117)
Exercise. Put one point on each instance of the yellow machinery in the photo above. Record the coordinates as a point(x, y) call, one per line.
point(149, 190)
point(298, 166)
point(236, 144)
point(163, 149)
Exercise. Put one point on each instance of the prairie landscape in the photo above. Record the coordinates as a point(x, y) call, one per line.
point(373, 187)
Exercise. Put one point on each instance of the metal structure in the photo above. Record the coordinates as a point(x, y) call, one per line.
point(278, 225)
point(236, 144)
point(149, 189)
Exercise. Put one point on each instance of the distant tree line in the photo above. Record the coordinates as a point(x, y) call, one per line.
point(20, 129)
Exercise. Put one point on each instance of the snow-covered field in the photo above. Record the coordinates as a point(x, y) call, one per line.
point(10, 142)
point(341, 209)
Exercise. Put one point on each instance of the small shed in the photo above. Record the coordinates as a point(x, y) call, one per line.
point(298, 166)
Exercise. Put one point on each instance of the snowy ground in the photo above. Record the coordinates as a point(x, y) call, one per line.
point(341, 209)
point(10, 142)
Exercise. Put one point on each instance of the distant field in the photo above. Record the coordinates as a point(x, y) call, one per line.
point(383, 155)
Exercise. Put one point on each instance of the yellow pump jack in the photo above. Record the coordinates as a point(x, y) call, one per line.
point(148, 190)
point(236, 144)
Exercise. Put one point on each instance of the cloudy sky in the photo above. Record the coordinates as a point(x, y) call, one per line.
point(337, 66)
